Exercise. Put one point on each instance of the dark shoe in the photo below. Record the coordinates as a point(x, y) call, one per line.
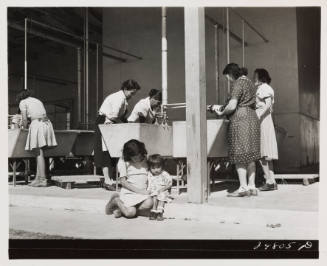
point(153, 215)
point(160, 216)
point(268, 187)
point(254, 192)
point(237, 193)
point(111, 205)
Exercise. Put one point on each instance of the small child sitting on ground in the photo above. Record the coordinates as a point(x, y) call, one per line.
point(159, 182)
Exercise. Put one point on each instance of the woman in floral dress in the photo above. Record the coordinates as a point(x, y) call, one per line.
point(243, 130)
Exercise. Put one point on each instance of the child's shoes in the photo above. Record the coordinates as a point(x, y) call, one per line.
point(153, 215)
point(160, 216)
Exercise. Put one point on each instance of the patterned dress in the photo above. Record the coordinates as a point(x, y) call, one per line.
point(155, 183)
point(244, 127)
point(269, 149)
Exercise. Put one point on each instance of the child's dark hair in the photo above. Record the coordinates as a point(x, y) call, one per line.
point(155, 160)
point(263, 75)
point(132, 148)
point(23, 94)
point(235, 71)
point(130, 85)
point(155, 94)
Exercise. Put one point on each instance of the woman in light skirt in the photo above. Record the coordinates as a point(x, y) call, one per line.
point(264, 108)
point(40, 133)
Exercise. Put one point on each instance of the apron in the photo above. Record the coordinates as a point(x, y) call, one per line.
point(102, 158)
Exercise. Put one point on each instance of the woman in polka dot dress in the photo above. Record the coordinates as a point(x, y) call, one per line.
point(243, 130)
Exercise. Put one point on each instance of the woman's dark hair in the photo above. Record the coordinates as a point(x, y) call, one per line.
point(155, 94)
point(132, 148)
point(130, 85)
point(23, 94)
point(263, 75)
point(235, 71)
point(155, 160)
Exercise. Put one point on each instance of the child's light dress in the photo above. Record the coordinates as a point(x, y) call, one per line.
point(137, 175)
point(155, 183)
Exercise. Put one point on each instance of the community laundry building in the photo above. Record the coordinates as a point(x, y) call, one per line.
point(126, 43)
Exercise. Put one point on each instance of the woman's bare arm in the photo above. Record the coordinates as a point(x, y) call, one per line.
point(129, 186)
point(266, 107)
point(24, 118)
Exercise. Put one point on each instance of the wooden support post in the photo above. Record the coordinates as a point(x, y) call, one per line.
point(196, 123)
point(227, 45)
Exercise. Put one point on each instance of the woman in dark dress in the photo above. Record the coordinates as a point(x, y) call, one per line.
point(243, 130)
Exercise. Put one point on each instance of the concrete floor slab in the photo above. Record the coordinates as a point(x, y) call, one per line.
point(288, 197)
point(87, 225)
point(58, 211)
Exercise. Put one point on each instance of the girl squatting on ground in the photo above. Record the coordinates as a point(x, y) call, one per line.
point(134, 198)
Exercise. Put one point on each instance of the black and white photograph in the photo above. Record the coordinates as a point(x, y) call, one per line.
point(163, 131)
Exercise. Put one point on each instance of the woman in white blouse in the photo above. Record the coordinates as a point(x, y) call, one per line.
point(145, 110)
point(264, 109)
point(40, 132)
point(112, 110)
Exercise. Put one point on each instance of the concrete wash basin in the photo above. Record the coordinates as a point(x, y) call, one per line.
point(216, 138)
point(170, 141)
point(156, 138)
point(70, 142)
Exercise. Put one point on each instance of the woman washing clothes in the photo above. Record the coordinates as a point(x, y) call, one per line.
point(145, 110)
point(264, 109)
point(243, 133)
point(113, 110)
point(40, 133)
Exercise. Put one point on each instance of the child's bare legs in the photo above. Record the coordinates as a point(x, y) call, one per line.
point(153, 212)
point(161, 205)
point(155, 203)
